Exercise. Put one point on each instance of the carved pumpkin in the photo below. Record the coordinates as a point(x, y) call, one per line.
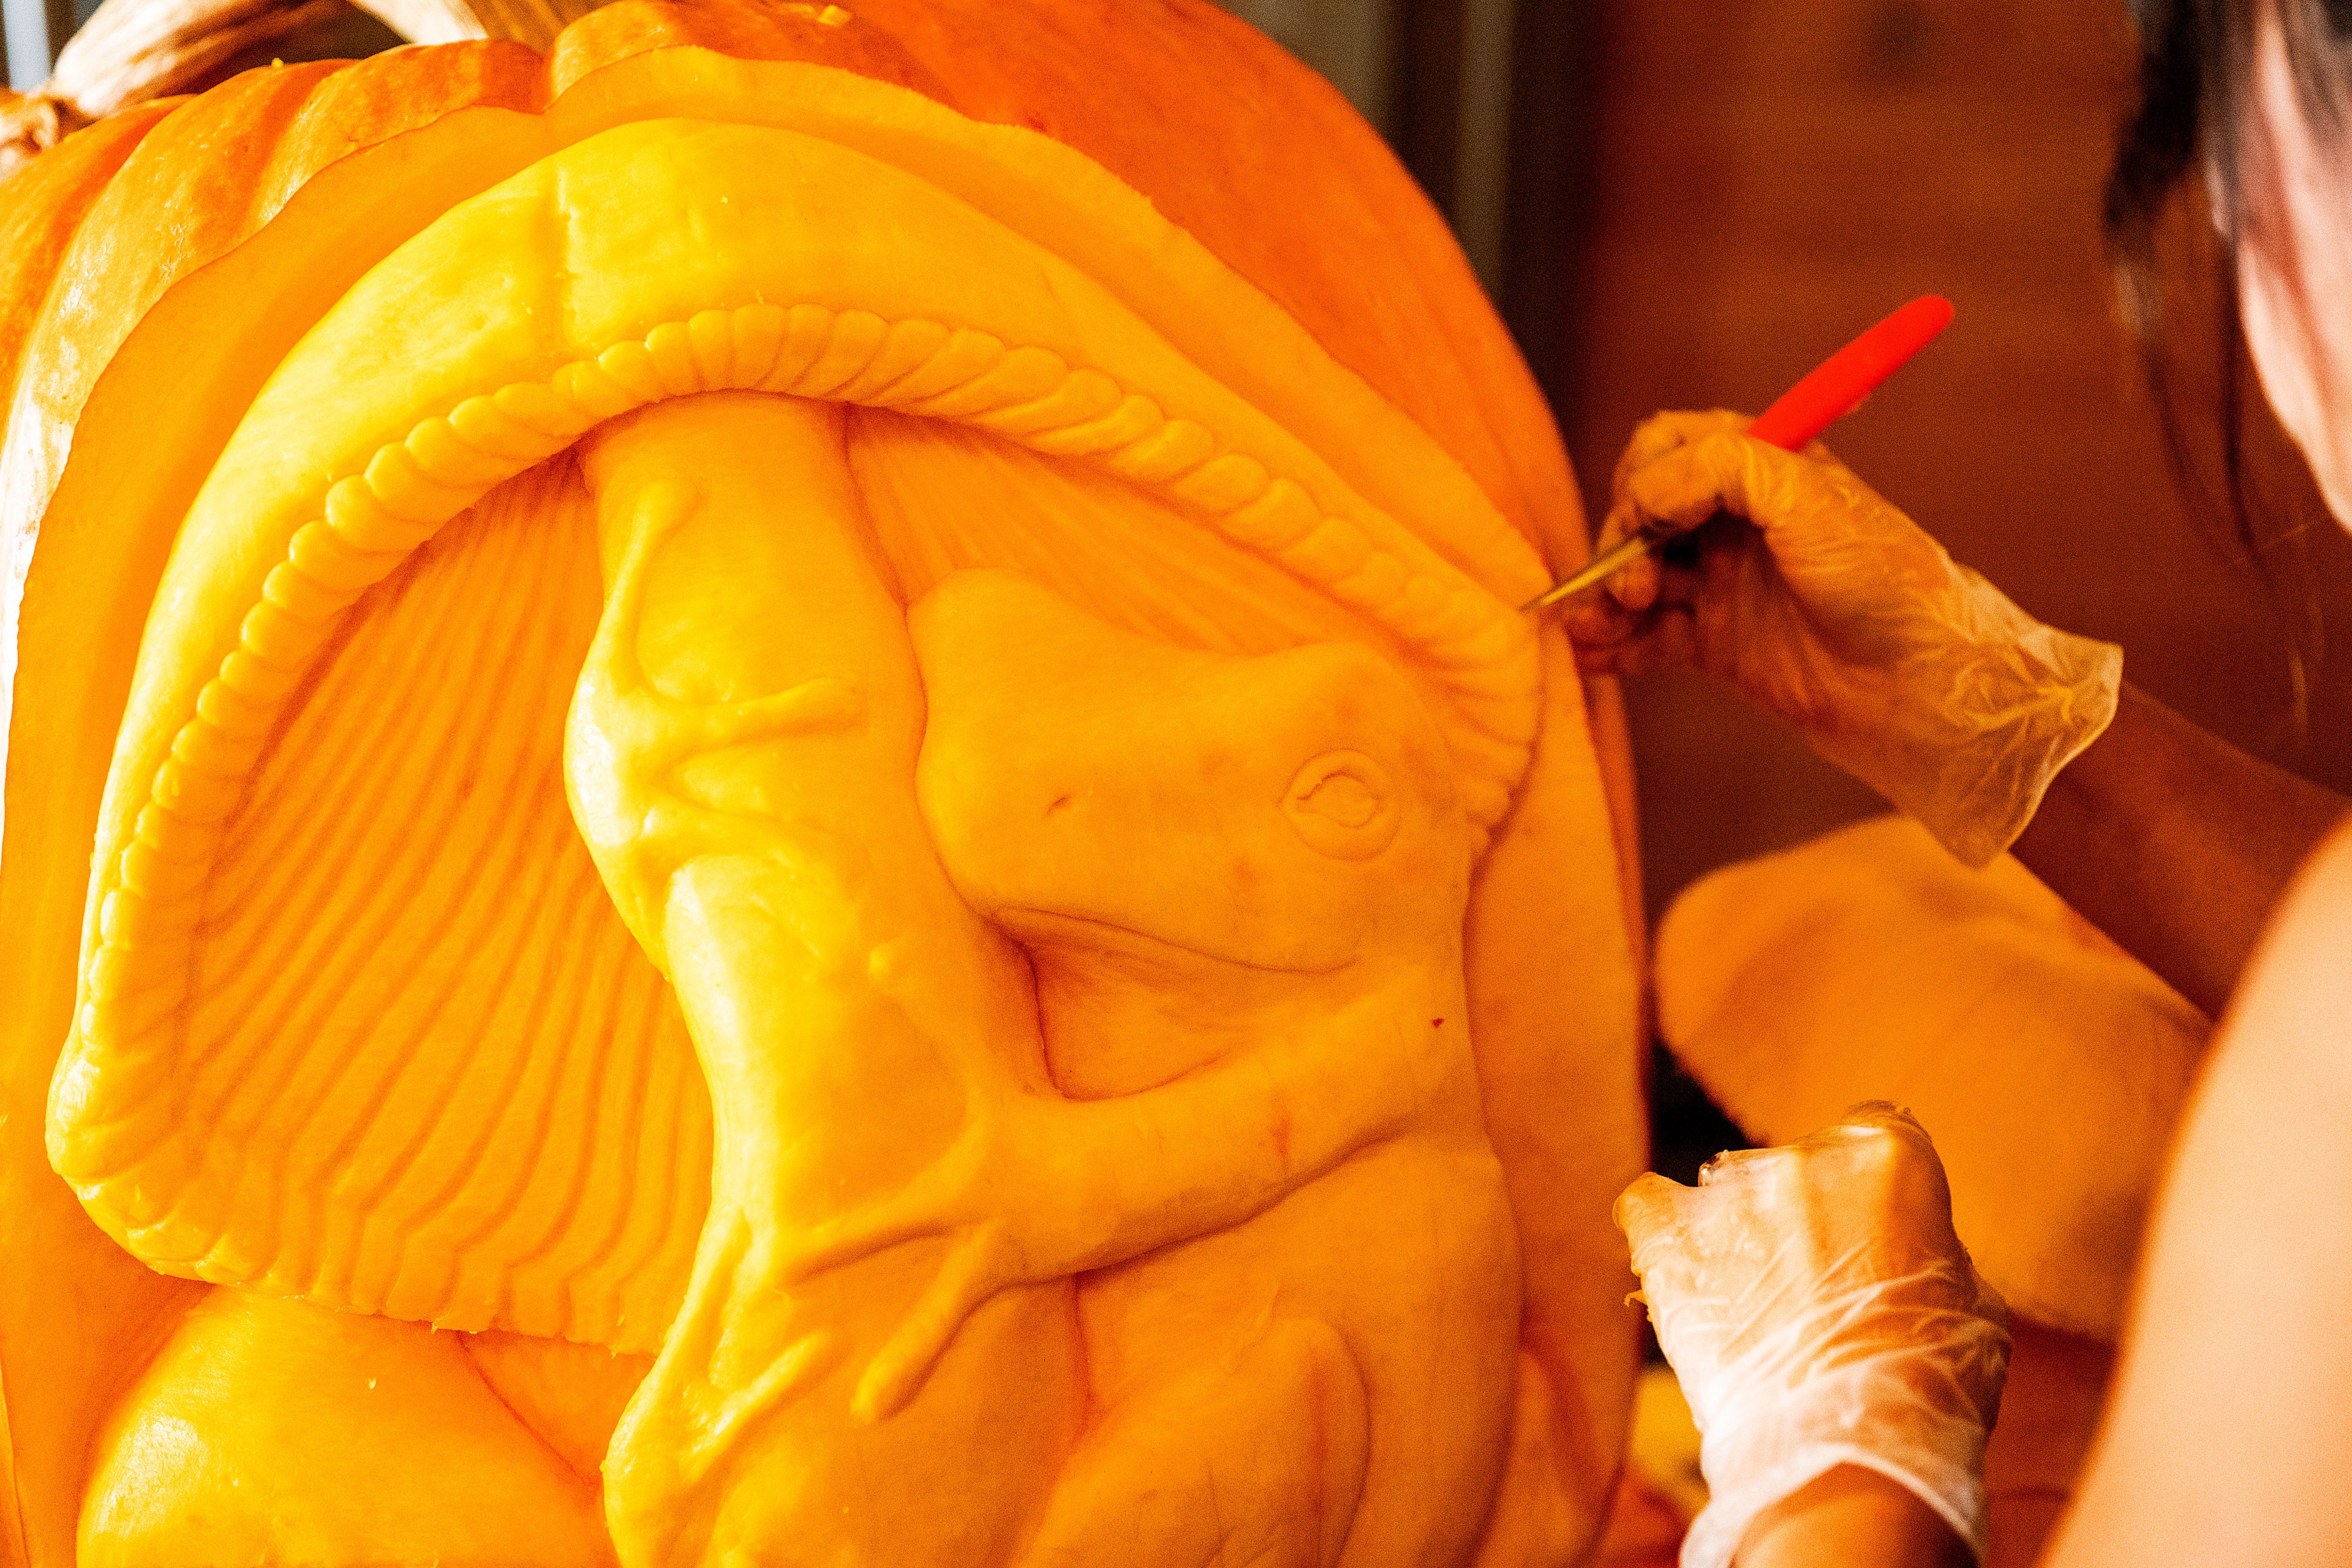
point(811, 694)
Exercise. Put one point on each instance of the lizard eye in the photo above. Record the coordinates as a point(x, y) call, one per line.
point(1343, 805)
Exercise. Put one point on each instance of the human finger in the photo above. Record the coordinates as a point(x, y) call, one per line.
point(1734, 1164)
point(1648, 1199)
point(1650, 619)
point(1661, 433)
point(1611, 611)
point(1635, 584)
point(1600, 628)
point(1649, 1212)
point(1675, 568)
point(1799, 503)
point(1892, 1135)
point(1725, 472)
point(1612, 640)
point(1887, 1115)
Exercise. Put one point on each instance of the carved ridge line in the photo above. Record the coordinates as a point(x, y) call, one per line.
point(410, 487)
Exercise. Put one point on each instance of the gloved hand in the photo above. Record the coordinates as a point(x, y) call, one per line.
point(1819, 1311)
point(1836, 612)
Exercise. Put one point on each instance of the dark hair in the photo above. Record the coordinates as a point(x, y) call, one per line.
point(2196, 86)
point(2196, 80)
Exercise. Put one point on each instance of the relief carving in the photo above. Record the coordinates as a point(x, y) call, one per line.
point(821, 849)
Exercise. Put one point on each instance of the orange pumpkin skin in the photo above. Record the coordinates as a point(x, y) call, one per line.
point(154, 269)
point(1319, 216)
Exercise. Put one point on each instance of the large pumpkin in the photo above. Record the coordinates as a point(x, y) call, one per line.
point(323, 387)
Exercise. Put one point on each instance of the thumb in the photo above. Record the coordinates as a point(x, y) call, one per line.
point(1655, 1215)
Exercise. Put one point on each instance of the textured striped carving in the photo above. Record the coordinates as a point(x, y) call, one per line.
point(425, 1062)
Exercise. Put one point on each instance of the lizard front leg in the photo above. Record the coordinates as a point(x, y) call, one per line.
point(740, 760)
point(1037, 1187)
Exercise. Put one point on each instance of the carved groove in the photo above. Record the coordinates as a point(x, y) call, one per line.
point(518, 1032)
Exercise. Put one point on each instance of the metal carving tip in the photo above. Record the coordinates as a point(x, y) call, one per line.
point(1595, 572)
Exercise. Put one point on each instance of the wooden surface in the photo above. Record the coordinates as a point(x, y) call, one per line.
point(1768, 177)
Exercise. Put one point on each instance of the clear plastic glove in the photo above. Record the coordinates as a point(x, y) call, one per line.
point(1838, 614)
point(1819, 1311)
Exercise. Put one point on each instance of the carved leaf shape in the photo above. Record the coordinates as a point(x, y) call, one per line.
point(431, 1072)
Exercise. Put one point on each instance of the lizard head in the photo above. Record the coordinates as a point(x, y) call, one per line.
point(1290, 811)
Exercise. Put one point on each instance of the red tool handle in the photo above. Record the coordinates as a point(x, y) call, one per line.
point(1837, 388)
point(1809, 408)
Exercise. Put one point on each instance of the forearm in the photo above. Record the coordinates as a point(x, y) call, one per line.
point(2175, 844)
point(2224, 1436)
point(1850, 1517)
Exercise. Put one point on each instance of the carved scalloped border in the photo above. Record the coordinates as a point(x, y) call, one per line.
point(136, 979)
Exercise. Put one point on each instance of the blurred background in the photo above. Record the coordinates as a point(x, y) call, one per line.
point(1688, 203)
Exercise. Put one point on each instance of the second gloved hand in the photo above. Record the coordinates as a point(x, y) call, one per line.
point(1819, 1311)
point(1835, 611)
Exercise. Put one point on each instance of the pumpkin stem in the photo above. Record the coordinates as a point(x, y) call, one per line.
point(31, 121)
point(532, 22)
point(133, 50)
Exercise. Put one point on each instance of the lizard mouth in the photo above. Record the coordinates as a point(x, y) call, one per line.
point(1037, 926)
point(387, 1152)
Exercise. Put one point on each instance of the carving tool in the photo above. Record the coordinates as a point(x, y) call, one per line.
point(1836, 388)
